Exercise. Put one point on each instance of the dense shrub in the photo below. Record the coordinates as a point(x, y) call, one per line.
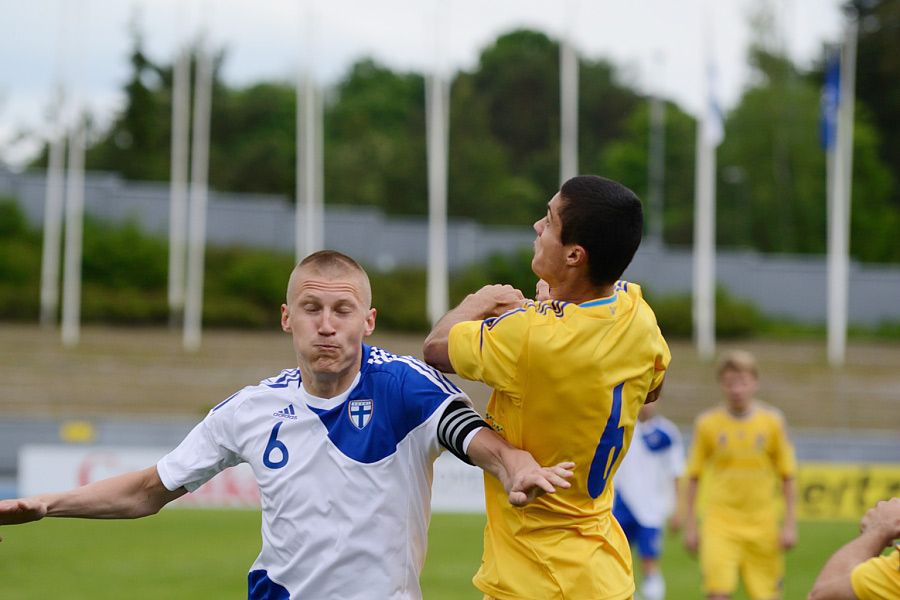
point(734, 318)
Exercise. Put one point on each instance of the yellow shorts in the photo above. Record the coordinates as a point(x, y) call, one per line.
point(754, 555)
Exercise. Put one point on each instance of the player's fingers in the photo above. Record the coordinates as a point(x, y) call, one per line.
point(559, 480)
point(518, 498)
point(563, 471)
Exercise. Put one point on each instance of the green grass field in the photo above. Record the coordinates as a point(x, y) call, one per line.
point(203, 554)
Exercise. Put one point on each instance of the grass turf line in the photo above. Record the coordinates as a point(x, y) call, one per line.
point(205, 554)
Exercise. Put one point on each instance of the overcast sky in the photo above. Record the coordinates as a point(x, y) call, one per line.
point(658, 44)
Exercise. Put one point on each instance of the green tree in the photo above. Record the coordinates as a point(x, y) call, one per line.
point(772, 194)
point(375, 140)
point(254, 133)
point(625, 160)
point(878, 74)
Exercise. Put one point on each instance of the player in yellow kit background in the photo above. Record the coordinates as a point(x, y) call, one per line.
point(743, 448)
point(569, 378)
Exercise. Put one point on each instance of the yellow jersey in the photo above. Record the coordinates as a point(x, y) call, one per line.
point(744, 457)
point(568, 383)
point(877, 578)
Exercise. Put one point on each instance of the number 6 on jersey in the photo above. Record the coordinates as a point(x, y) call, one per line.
point(611, 442)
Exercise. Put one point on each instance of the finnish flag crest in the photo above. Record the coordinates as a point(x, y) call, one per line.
point(360, 412)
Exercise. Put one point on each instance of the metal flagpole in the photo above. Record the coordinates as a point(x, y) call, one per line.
point(193, 306)
point(841, 168)
point(568, 105)
point(74, 203)
point(308, 216)
point(709, 135)
point(54, 193)
point(437, 125)
point(71, 301)
point(181, 99)
point(656, 158)
point(53, 209)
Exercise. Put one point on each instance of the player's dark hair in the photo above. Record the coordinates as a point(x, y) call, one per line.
point(606, 219)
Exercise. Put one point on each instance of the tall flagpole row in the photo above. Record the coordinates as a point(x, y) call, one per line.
point(193, 305)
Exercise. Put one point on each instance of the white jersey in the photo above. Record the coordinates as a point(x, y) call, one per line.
point(345, 482)
point(645, 481)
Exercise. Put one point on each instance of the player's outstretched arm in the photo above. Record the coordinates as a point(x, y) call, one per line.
point(489, 301)
point(522, 477)
point(128, 496)
point(878, 528)
point(691, 537)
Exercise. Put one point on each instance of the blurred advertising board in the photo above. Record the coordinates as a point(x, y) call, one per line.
point(457, 488)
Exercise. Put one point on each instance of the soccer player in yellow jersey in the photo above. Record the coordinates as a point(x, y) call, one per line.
point(857, 570)
point(569, 377)
point(743, 449)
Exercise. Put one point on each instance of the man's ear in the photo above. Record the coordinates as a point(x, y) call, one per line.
point(370, 323)
point(575, 255)
point(285, 318)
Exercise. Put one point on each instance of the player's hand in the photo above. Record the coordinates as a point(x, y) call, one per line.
point(788, 537)
point(883, 520)
point(529, 484)
point(675, 523)
point(22, 510)
point(691, 539)
point(494, 300)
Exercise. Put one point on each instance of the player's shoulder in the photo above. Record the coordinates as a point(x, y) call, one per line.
point(666, 425)
point(710, 415)
point(281, 383)
point(769, 412)
point(404, 371)
point(532, 312)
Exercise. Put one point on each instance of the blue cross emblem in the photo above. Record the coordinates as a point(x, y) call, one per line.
point(360, 412)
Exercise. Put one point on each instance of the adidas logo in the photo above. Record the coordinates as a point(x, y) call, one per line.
point(287, 413)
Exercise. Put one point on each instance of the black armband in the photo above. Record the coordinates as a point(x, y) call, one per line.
point(457, 422)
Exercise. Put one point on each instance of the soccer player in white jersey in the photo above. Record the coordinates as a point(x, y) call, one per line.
point(342, 449)
point(646, 492)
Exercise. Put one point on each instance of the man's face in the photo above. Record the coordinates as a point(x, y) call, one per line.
point(328, 319)
point(549, 252)
point(739, 388)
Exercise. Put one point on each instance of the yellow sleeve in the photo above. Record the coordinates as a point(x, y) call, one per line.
point(877, 578)
point(489, 351)
point(661, 363)
point(785, 458)
point(699, 451)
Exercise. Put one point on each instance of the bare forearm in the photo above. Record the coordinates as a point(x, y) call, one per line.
point(788, 490)
point(127, 496)
point(436, 350)
point(690, 500)
point(474, 307)
point(490, 452)
point(522, 477)
point(833, 582)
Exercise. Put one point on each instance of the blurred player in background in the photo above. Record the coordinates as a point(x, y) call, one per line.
point(569, 378)
point(857, 570)
point(742, 447)
point(646, 487)
point(342, 449)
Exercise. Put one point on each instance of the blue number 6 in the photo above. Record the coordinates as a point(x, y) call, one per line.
point(274, 444)
point(611, 443)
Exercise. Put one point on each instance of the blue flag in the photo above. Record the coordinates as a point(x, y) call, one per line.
point(831, 98)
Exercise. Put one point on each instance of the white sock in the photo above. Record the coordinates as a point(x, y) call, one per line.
point(653, 587)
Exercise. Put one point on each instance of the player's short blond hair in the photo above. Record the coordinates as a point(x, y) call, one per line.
point(332, 264)
point(740, 361)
